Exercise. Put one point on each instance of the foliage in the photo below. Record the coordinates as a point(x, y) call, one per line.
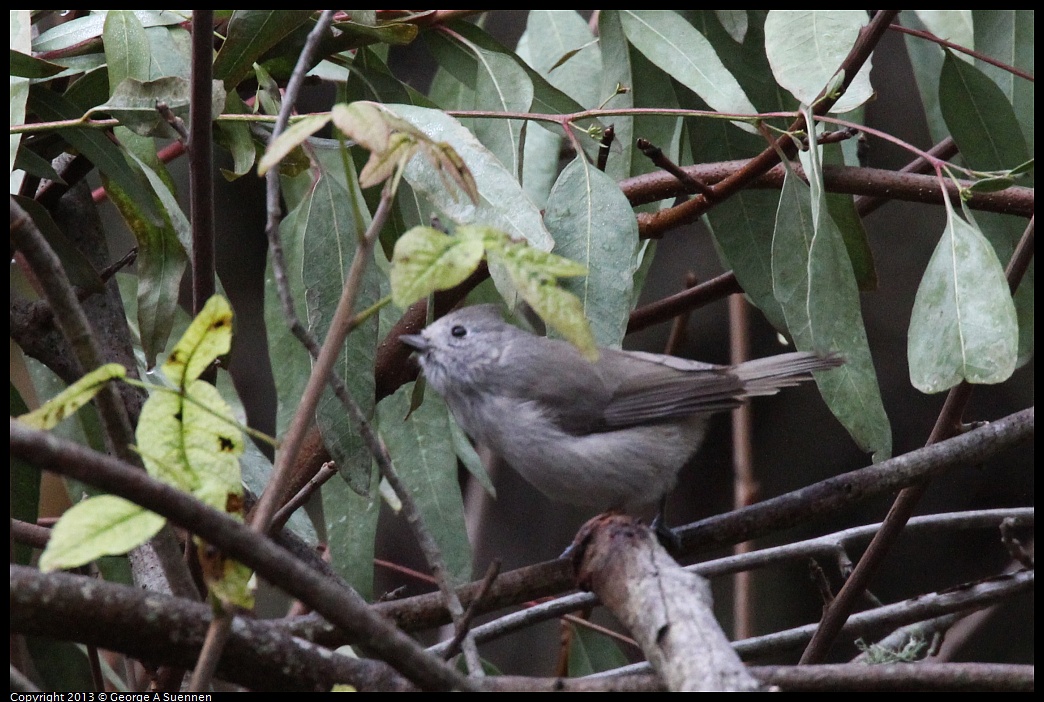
point(521, 155)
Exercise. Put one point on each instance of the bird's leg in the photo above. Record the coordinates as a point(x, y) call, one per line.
point(668, 539)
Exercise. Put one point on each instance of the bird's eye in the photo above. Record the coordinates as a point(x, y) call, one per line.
point(458, 331)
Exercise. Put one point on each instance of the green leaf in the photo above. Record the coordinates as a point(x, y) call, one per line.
point(426, 260)
point(1008, 35)
point(235, 136)
point(593, 224)
point(592, 652)
point(422, 451)
point(618, 91)
point(391, 141)
point(84, 29)
point(208, 336)
point(127, 50)
point(21, 31)
point(351, 526)
point(24, 66)
point(546, 97)
point(50, 106)
point(980, 117)
point(376, 82)
point(162, 257)
point(104, 525)
point(992, 185)
point(503, 203)
point(250, 34)
point(813, 280)
point(501, 86)
point(926, 60)
point(161, 264)
point(133, 103)
point(735, 22)
point(228, 580)
point(49, 414)
point(963, 324)
point(844, 214)
point(192, 441)
point(170, 50)
point(467, 454)
point(358, 34)
point(683, 53)
point(295, 135)
point(331, 220)
point(563, 50)
point(534, 275)
point(806, 48)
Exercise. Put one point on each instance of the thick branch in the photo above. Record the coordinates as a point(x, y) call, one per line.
point(667, 609)
point(851, 180)
point(272, 562)
point(163, 630)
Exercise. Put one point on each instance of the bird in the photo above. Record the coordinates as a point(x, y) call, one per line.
point(611, 434)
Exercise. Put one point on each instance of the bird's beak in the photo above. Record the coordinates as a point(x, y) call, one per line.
point(415, 341)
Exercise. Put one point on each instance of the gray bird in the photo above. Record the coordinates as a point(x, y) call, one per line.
point(612, 434)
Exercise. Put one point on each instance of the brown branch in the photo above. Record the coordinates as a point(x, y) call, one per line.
point(668, 610)
point(72, 322)
point(933, 677)
point(851, 180)
point(272, 562)
point(944, 150)
point(689, 182)
point(463, 626)
point(201, 164)
point(899, 677)
point(160, 629)
point(684, 301)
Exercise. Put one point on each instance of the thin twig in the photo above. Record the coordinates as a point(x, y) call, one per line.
point(689, 182)
point(686, 300)
point(175, 122)
point(72, 322)
point(281, 517)
point(899, 677)
point(963, 598)
point(944, 150)
point(218, 633)
point(680, 322)
point(745, 485)
point(322, 373)
point(204, 267)
point(269, 500)
point(464, 626)
point(964, 50)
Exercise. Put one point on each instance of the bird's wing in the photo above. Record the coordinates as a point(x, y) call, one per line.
point(653, 388)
